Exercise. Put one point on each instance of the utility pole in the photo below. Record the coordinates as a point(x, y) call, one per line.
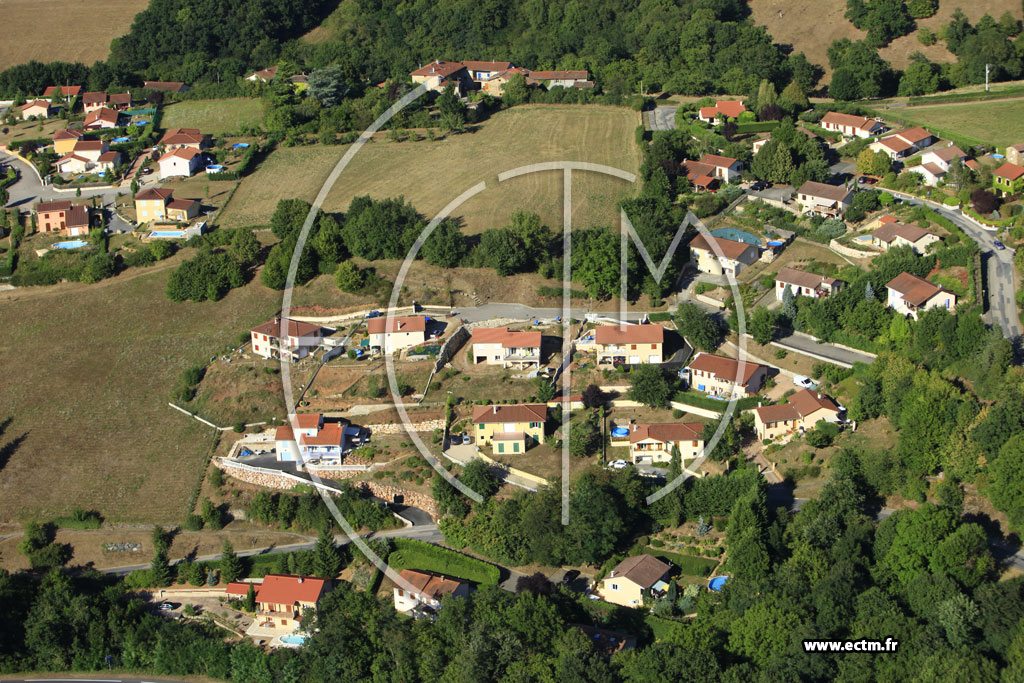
point(987, 67)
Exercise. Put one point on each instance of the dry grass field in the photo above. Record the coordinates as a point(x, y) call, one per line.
point(787, 21)
point(88, 372)
point(64, 30)
point(214, 117)
point(998, 122)
point(431, 174)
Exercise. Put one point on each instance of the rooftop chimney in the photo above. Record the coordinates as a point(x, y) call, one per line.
point(819, 395)
point(300, 579)
point(494, 409)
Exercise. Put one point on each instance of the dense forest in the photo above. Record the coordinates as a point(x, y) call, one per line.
point(629, 46)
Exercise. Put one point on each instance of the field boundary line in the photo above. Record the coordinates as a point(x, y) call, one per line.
point(208, 423)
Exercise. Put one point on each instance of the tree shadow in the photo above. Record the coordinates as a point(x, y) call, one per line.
point(9, 448)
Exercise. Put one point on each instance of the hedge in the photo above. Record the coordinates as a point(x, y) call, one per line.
point(756, 126)
point(995, 223)
point(660, 317)
point(413, 554)
point(692, 397)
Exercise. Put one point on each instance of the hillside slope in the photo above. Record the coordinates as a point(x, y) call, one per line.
point(788, 22)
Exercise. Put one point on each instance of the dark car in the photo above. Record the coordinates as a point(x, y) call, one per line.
point(998, 245)
point(757, 186)
point(570, 576)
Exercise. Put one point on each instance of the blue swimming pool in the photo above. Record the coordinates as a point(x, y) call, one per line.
point(716, 583)
point(124, 139)
point(214, 168)
point(620, 432)
point(775, 243)
point(70, 244)
point(736, 235)
point(240, 145)
point(167, 234)
point(294, 639)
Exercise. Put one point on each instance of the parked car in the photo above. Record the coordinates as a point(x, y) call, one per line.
point(757, 186)
point(166, 607)
point(998, 245)
point(147, 170)
point(570, 576)
point(805, 382)
point(373, 314)
point(618, 464)
point(466, 439)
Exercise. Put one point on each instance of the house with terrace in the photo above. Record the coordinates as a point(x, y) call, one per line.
point(181, 162)
point(896, 234)
point(720, 256)
point(151, 205)
point(802, 283)
point(629, 344)
point(62, 215)
point(499, 346)
point(909, 295)
point(633, 580)
point(851, 125)
point(325, 442)
point(723, 109)
point(824, 200)
point(800, 412)
point(427, 590)
point(724, 377)
point(509, 429)
point(650, 443)
point(402, 333)
point(281, 599)
point(294, 342)
point(935, 163)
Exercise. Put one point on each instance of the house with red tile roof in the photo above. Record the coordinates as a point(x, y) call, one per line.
point(296, 341)
point(896, 234)
point(67, 91)
point(633, 579)
point(509, 429)
point(282, 598)
point(403, 332)
point(1008, 179)
point(180, 162)
point(823, 199)
point(52, 216)
point(649, 443)
point(909, 295)
point(800, 412)
point(851, 125)
point(720, 256)
point(438, 74)
point(500, 346)
point(725, 109)
point(629, 344)
point(803, 283)
point(64, 140)
point(100, 118)
point(151, 205)
point(561, 79)
point(935, 163)
point(309, 437)
point(417, 589)
point(165, 86)
point(724, 377)
point(38, 108)
point(184, 137)
point(264, 75)
point(904, 143)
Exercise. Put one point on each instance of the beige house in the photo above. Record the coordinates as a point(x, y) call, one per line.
point(180, 162)
point(100, 118)
point(852, 126)
point(827, 200)
point(297, 341)
point(724, 377)
point(909, 294)
point(802, 283)
point(1015, 154)
point(726, 109)
point(151, 204)
point(439, 73)
point(904, 143)
point(632, 344)
point(895, 234)
point(499, 346)
point(404, 332)
point(801, 412)
point(650, 443)
point(182, 210)
point(64, 140)
point(37, 108)
point(281, 599)
point(633, 579)
point(428, 589)
point(719, 256)
point(91, 149)
point(509, 428)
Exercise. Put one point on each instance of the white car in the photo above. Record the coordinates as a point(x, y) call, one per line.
point(618, 464)
point(805, 382)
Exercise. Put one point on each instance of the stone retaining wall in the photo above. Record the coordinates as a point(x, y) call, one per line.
point(851, 252)
point(412, 498)
point(399, 428)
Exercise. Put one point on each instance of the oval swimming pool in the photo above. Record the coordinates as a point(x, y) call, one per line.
point(716, 583)
point(214, 168)
point(736, 235)
point(70, 244)
point(620, 432)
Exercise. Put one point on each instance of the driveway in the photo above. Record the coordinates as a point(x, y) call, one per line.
point(662, 118)
point(778, 193)
point(807, 345)
point(29, 189)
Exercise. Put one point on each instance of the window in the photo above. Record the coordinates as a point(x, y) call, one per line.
point(401, 593)
point(632, 347)
point(694, 444)
point(501, 447)
point(515, 447)
point(614, 586)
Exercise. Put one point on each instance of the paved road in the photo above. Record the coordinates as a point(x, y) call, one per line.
point(833, 353)
point(777, 192)
point(428, 533)
point(1001, 288)
point(491, 311)
point(662, 118)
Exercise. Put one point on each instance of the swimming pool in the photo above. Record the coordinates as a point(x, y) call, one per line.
point(716, 583)
point(70, 244)
point(862, 238)
point(214, 168)
point(124, 139)
point(294, 639)
point(736, 235)
point(240, 145)
point(620, 432)
point(167, 234)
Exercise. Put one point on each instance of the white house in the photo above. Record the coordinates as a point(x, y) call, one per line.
point(499, 346)
point(820, 198)
point(297, 342)
point(316, 440)
point(720, 256)
point(909, 294)
point(935, 164)
point(183, 161)
point(100, 118)
point(802, 283)
point(895, 234)
point(405, 331)
point(903, 143)
point(724, 377)
point(416, 589)
point(852, 126)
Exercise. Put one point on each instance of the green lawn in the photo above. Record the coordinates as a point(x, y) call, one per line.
point(412, 554)
point(1000, 123)
point(215, 117)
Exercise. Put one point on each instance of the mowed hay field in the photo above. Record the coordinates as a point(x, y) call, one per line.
point(214, 117)
point(63, 30)
point(998, 122)
point(432, 174)
point(88, 372)
point(788, 20)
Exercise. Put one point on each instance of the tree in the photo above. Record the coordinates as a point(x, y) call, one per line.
point(789, 303)
point(920, 9)
point(675, 464)
point(920, 78)
point(326, 561)
point(869, 292)
point(584, 437)
point(762, 325)
point(448, 499)
point(515, 91)
point(477, 475)
point(350, 277)
point(649, 386)
point(958, 616)
point(793, 98)
point(329, 85)
point(250, 599)
point(545, 390)
point(845, 85)
point(504, 251)
point(984, 201)
point(161, 569)
point(446, 247)
point(230, 564)
point(593, 397)
point(698, 327)
point(160, 542)
point(213, 518)
point(1006, 480)
point(453, 112)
